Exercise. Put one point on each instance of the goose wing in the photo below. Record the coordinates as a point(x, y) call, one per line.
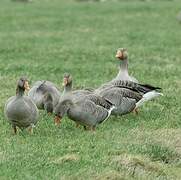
point(93, 113)
point(141, 88)
point(124, 99)
point(98, 100)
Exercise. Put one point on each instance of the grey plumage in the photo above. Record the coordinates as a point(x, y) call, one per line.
point(124, 99)
point(83, 107)
point(48, 102)
point(124, 91)
point(83, 111)
point(141, 88)
point(126, 94)
point(20, 109)
point(45, 95)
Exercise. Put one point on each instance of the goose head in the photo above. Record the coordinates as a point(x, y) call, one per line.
point(122, 54)
point(67, 82)
point(61, 109)
point(67, 79)
point(48, 103)
point(22, 85)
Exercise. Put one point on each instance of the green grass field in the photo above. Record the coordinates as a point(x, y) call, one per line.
point(46, 38)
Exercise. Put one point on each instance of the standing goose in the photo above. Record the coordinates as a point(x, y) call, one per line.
point(123, 73)
point(127, 95)
point(124, 97)
point(45, 95)
point(20, 110)
point(85, 109)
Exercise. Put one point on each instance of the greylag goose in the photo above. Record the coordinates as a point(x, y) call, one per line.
point(122, 96)
point(20, 110)
point(45, 95)
point(83, 107)
point(127, 95)
point(123, 74)
point(84, 111)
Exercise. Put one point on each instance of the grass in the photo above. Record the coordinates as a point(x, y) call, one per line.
point(46, 38)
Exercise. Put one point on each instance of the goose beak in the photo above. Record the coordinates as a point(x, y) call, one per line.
point(57, 120)
point(65, 81)
point(119, 55)
point(26, 86)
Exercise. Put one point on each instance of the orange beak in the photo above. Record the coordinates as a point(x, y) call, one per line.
point(65, 81)
point(119, 55)
point(57, 120)
point(26, 86)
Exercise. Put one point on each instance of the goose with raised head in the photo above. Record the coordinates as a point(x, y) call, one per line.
point(45, 95)
point(123, 74)
point(123, 97)
point(20, 110)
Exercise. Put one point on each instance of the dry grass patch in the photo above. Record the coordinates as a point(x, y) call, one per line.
point(111, 175)
point(138, 166)
point(166, 137)
point(65, 158)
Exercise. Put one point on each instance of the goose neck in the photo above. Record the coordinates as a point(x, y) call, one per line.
point(124, 65)
point(67, 88)
point(19, 91)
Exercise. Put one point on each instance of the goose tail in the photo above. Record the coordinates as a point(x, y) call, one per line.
point(109, 111)
point(145, 88)
point(148, 96)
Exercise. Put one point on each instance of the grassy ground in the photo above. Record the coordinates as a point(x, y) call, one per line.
point(46, 38)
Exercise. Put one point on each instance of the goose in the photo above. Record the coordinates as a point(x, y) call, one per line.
point(83, 107)
point(119, 94)
point(20, 110)
point(84, 111)
point(45, 95)
point(123, 73)
point(127, 96)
